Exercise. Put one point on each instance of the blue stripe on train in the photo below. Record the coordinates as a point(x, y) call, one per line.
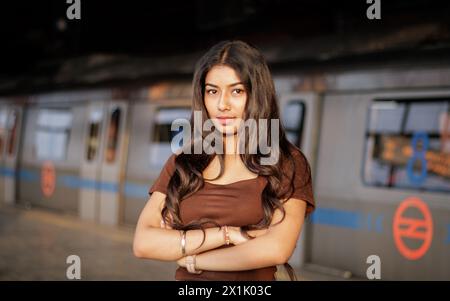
point(109, 186)
point(73, 182)
point(448, 234)
point(7, 172)
point(337, 218)
point(348, 219)
point(132, 190)
point(29, 176)
point(77, 182)
point(136, 190)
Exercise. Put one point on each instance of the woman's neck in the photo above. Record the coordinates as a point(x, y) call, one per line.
point(230, 146)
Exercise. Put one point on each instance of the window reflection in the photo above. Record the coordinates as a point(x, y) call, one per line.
point(94, 130)
point(3, 116)
point(293, 119)
point(12, 129)
point(113, 135)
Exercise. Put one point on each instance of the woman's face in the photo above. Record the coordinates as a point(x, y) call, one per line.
point(225, 98)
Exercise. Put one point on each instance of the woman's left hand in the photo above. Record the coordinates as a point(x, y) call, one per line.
point(236, 237)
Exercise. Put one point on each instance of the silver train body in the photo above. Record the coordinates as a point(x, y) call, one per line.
point(378, 140)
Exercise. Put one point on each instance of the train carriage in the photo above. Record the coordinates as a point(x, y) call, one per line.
point(377, 139)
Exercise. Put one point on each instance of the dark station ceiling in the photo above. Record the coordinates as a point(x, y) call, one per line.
point(38, 39)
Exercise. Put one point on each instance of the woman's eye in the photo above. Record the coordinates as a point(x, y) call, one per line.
point(211, 91)
point(238, 91)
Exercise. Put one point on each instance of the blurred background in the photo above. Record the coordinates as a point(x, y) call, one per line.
point(88, 91)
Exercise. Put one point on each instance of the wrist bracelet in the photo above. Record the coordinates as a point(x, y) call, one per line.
point(226, 235)
point(183, 243)
point(190, 265)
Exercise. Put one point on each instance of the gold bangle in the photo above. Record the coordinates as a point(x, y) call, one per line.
point(183, 243)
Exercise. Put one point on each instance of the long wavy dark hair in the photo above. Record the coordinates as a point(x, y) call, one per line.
point(251, 67)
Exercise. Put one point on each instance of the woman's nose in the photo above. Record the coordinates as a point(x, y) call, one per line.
point(224, 103)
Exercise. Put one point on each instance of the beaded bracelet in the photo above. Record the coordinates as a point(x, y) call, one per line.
point(190, 265)
point(226, 235)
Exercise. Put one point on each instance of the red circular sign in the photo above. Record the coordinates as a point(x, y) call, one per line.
point(48, 179)
point(413, 228)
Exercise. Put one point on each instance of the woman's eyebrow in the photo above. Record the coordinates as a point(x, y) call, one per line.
point(230, 85)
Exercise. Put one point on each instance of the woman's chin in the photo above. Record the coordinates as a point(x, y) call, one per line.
point(227, 130)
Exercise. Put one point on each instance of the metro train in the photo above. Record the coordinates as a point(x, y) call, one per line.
point(377, 139)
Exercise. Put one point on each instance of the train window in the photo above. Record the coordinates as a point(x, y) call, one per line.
point(162, 135)
point(13, 121)
point(113, 135)
point(52, 133)
point(163, 123)
point(94, 130)
point(293, 119)
point(408, 144)
point(3, 117)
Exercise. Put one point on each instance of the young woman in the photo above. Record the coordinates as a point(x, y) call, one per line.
point(227, 216)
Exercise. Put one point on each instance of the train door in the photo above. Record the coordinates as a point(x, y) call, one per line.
point(50, 155)
point(113, 162)
point(300, 117)
point(92, 159)
point(149, 149)
point(10, 127)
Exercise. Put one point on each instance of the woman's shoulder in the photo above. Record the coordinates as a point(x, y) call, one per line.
point(171, 159)
point(296, 169)
point(169, 166)
point(301, 179)
point(166, 173)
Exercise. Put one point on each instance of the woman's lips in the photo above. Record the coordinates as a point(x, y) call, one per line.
point(225, 120)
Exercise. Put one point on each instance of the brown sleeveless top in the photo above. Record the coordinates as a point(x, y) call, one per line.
point(235, 204)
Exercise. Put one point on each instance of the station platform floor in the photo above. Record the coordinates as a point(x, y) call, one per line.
point(35, 243)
